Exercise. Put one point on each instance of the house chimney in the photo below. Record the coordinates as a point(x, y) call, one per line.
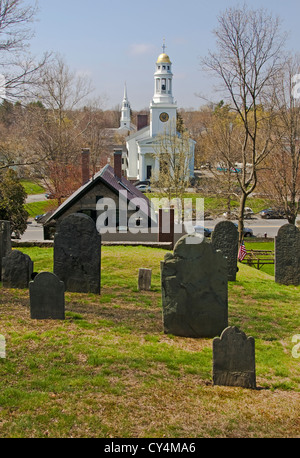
point(142, 121)
point(118, 163)
point(85, 166)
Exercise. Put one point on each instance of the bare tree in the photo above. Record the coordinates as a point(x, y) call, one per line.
point(174, 155)
point(281, 174)
point(248, 58)
point(19, 70)
point(220, 141)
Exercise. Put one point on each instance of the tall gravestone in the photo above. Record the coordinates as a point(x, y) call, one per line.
point(47, 297)
point(17, 269)
point(77, 254)
point(194, 289)
point(234, 359)
point(225, 237)
point(287, 255)
point(5, 241)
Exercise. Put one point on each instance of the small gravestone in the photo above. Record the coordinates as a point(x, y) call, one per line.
point(194, 289)
point(225, 237)
point(287, 255)
point(5, 241)
point(17, 269)
point(77, 254)
point(234, 359)
point(144, 282)
point(47, 297)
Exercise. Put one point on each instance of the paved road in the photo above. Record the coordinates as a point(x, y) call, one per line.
point(35, 198)
point(259, 226)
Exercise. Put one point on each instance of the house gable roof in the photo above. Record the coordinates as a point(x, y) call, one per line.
point(106, 176)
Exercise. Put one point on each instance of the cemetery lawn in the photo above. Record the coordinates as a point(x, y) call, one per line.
point(109, 370)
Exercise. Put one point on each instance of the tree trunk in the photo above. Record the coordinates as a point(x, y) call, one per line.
point(241, 217)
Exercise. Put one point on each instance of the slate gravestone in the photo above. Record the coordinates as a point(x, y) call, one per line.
point(234, 359)
point(225, 237)
point(194, 289)
point(47, 297)
point(17, 269)
point(287, 255)
point(5, 241)
point(77, 254)
point(144, 282)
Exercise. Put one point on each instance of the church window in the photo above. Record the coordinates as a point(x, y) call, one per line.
point(163, 84)
point(164, 67)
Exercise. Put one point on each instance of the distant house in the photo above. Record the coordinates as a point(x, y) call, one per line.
point(108, 185)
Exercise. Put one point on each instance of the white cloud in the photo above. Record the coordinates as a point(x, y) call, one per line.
point(138, 49)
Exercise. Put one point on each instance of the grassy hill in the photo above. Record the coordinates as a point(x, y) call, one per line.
point(109, 370)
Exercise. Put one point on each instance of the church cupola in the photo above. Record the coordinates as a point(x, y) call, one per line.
point(163, 79)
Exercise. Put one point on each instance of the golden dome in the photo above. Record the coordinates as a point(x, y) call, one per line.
point(163, 58)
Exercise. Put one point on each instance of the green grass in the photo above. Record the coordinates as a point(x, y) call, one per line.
point(32, 187)
point(109, 370)
point(39, 208)
point(217, 205)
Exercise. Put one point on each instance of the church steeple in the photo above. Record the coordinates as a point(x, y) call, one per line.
point(163, 79)
point(163, 108)
point(125, 111)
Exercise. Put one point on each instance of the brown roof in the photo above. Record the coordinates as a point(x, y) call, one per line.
point(107, 176)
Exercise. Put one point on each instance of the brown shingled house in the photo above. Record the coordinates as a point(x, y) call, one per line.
point(110, 183)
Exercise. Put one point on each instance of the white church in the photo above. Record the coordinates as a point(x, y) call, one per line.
point(142, 160)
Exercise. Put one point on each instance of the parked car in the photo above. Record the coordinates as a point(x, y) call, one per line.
point(143, 188)
point(272, 213)
point(49, 195)
point(248, 213)
point(247, 231)
point(202, 230)
point(38, 218)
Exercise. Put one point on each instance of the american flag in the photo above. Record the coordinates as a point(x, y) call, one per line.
point(242, 252)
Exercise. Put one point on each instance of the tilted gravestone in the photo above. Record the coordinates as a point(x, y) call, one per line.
point(234, 359)
point(194, 289)
point(225, 237)
point(287, 255)
point(77, 254)
point(47, 297)
point(5, 241)
point(17, 269)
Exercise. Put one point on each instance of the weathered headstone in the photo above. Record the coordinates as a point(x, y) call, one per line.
point(47, 297)
point(234, 359)
point(225, 237)
point(287, 255)
point(77, 254)
point(5, 241)
point(17, 269)
point(144, 282)
point(194, 289)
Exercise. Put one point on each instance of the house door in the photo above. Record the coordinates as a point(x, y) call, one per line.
point(149, 172)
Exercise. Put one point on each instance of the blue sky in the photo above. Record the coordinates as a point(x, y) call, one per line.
point(114, 41)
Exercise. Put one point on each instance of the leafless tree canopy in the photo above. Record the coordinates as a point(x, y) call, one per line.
point(18, 67)
point(248, 58)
